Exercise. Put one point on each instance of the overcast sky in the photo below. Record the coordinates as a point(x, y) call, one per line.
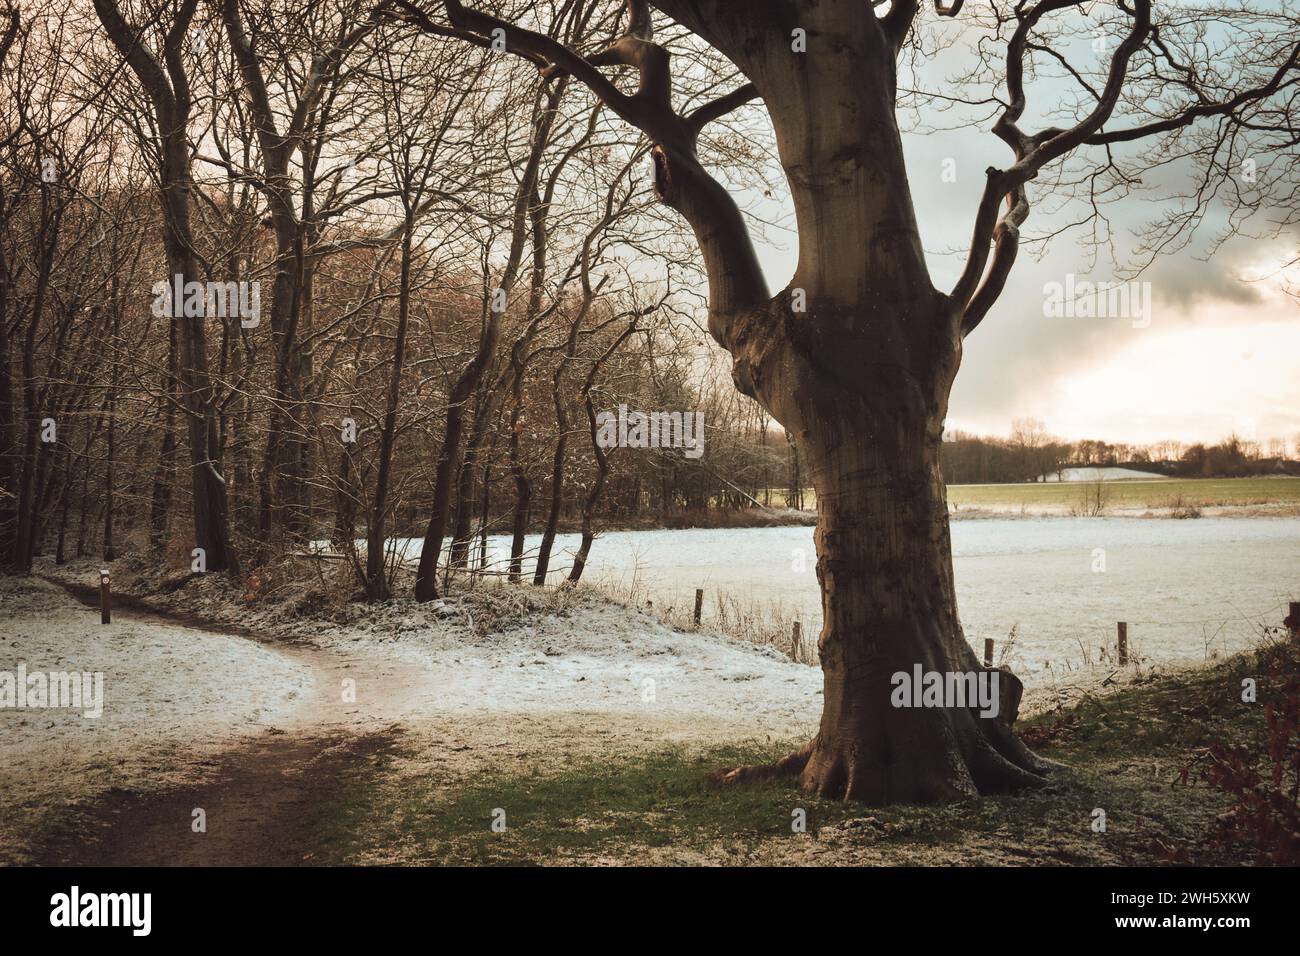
point(1220, 353)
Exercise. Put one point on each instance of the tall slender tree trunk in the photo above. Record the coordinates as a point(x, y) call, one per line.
point(553, 511)
point(523, 486)
point(526, 202)
point(164, 479)
point(33, 450)
point(60, 556)
point(110, 441)
point(562, 439)
point(110, 453)
point(426, 584)
point(347, 494)
point(8, 430)
point(485, 511)
point(167, 86)
point(602, 459)
point(593, 494)
point(376, 566)
point(465, 498)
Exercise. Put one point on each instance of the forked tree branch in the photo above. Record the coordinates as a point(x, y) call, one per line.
point(1202, 110)
point(716, 109)
point(974, 297)
point(736, 281)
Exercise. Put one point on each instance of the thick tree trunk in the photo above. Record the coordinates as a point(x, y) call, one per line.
point(889, 605)
point(856, 357)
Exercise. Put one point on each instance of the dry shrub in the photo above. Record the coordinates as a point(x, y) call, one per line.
point(1264, 779)
point(1180, 507)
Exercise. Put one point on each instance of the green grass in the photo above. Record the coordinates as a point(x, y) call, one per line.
point(1135, 493)
point(1123, 753)
point(652, 800)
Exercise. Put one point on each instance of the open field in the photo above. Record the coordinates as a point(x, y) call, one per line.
point(1152, 493)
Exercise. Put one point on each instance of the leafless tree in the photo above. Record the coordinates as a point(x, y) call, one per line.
point(856, 357)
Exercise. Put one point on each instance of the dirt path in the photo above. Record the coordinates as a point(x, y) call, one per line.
point(398, 704)
point(257, 811)
point(258, 802)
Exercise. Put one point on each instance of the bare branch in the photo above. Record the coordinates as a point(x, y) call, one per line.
point(1032, 153)
point(716, 109)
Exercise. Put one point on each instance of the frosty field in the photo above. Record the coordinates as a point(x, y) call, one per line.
point(1189, 589)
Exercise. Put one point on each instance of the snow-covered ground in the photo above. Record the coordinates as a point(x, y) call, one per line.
point(1187, 589)
point(502, 673)
point(500, 650)
point(1107, 473)
point(170, 695)
point(175, 697)
point(469, 673)
point(593, 656)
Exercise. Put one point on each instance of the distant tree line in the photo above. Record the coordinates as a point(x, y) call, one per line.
point(1029, 453)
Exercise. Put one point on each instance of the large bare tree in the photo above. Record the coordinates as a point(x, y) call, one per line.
point(856, 356)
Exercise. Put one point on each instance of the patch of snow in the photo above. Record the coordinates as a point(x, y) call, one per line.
point(165, 689)
point(1107, 473)
point(505, 649)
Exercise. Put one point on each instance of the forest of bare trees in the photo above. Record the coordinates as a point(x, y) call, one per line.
point(435, 246)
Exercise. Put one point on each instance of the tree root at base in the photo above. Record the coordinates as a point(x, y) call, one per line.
point(789, 766)
point(1002, 765)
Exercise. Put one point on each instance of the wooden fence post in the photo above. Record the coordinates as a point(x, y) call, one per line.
point(988, 652)
point(1123, 642)
point(699, 604)
point(1293, 620)
point(105, 598)
point(796, 643)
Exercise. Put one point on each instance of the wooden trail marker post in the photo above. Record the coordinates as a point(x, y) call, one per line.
point(699, 604)
point(796, 642)
point(988, 652)
point(105, 598)
point(1122, 639)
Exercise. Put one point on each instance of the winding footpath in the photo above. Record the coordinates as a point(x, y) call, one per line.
point(260, 799)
